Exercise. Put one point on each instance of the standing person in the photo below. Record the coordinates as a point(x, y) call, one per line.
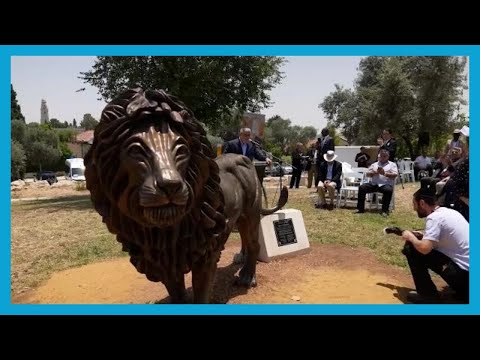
point(326, 143)
point(444, 248)
point(310, 167)
point(297, 166)
point(387, 142)
point(244, 146)
point(455, 145)
point(362, 158)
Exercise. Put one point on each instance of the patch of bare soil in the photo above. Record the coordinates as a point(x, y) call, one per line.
point(328, 274)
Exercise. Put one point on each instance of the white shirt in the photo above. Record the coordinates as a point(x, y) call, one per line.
point(381, 180)
point(449, 231)
point(423, 162)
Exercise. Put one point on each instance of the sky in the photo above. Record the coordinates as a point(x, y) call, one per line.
point(307, 80)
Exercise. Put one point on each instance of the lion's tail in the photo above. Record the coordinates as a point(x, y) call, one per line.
point(281, 202)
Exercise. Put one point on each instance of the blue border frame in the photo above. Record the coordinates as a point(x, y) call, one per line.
point(278, 50)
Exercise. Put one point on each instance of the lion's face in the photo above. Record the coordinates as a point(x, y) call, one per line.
point(153, 166)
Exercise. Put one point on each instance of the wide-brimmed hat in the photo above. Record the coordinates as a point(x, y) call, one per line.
point(330, 155)
point(457, 131)
point(465, 131)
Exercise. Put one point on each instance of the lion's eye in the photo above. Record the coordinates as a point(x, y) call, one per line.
point(136, 151)
point(181, 152)
point(182, 155)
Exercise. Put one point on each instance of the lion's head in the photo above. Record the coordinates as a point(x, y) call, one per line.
point(152, 162)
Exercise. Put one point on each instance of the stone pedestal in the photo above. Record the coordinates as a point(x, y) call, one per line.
point(282, 234)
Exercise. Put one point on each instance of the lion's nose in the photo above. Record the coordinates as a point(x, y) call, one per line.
point(170, 186)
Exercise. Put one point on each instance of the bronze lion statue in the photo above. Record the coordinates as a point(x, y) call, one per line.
point(155, 180)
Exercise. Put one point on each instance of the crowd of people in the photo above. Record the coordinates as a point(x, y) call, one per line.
point(442, 199)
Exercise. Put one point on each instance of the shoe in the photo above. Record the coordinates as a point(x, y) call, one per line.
point(384, 214)
point(359, 212)
point(422, 299)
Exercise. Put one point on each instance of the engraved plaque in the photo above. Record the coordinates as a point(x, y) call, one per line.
point(285, 232)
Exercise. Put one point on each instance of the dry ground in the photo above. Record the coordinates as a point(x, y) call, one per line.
point(62, 253)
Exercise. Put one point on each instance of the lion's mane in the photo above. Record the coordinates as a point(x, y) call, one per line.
point(157, 252)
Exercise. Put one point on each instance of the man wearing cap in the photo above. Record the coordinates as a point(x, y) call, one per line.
point(444, 248)
point(383, 174)
point(455, 145)
point(330, 173)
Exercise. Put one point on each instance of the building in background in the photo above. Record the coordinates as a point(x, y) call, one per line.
point(256, 122)
point(44, 118)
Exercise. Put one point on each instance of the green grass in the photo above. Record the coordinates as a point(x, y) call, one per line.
point(56, 234)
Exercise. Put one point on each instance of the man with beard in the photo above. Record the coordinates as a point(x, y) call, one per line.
point(444, 248)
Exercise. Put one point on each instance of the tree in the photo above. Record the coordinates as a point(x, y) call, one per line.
point(209, 85)
point(410, 95)
point(74, 123)
point(18, 161)
point(340, 108)
point(18, 131)
point(43, 156)
point(16, 111)
point(88, 122)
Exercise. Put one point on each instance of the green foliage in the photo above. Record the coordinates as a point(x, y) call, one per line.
point(42, 156)
point(18, 131)
point(57, 124)
point(88, 122)
point(16, 111)
point(410, 95)
point(210, 86)
point(18, 160)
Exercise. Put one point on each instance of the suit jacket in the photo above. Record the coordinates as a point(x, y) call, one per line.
point(391, 146)
point(325, 145)
point(336, 172)
point(235, 147)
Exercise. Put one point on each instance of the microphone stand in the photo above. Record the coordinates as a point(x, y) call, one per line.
point(280, 162)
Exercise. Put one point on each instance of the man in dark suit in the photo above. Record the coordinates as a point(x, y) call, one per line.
point(326, 144)
point(330, 175)
point(244, 146)
point(387, 142)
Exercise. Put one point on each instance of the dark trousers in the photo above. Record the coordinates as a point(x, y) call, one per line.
point(296, 176)
point(317, 172)
point(454, 276)
point(367, 188)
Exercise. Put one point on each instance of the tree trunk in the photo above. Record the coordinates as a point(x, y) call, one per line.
point(409, 145)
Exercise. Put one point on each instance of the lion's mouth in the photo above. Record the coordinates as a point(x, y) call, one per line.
point(165, 215)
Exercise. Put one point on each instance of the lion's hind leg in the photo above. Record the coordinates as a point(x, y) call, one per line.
point(248, 228)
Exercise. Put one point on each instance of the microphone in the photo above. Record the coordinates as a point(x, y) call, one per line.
point(256, 143)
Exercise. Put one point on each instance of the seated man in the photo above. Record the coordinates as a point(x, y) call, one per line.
point(330, 173)
point(383, 174)
point(443, 248)
point(422, 162)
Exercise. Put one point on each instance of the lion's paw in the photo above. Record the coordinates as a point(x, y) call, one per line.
point(246, 280)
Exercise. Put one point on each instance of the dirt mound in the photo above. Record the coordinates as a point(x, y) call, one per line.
point(328, 274)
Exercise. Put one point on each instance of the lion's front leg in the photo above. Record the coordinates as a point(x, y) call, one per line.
point(176, 289)
point(203, 275)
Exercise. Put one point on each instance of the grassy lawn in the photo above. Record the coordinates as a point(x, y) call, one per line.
point(56, 234)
